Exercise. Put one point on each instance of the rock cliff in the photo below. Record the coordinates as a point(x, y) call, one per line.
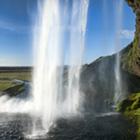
point(130, 106)
point(98, 78)
point(131, 59)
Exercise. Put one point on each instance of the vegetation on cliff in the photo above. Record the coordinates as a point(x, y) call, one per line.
point(130, 61)
point(131, 58)
point(130, 107)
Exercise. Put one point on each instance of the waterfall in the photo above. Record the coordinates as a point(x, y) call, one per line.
point(118, 82)
point(47, 71)
point(49, 97)
point(77, 37)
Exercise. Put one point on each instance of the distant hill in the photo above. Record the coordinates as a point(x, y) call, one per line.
point(14, 69)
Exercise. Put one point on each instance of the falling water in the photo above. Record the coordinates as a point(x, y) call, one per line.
point(118, 82)
point(47, 61)
point(77, 36)
point(49, 58)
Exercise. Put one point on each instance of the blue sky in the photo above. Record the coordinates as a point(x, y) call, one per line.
point(17, 19)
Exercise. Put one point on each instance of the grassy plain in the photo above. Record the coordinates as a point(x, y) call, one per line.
point(7, 77)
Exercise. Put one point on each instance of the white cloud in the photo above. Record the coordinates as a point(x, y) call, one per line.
point(127, 34)
point(7, 62)
point(13, 27)
point(14, 61)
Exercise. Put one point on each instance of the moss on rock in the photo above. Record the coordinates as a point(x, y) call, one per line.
point(130, 107)
point(15, 90)
point(129, 104)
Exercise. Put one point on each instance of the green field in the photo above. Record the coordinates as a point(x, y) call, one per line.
point(7, 77)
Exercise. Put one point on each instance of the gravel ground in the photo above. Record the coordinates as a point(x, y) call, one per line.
point(113, 127)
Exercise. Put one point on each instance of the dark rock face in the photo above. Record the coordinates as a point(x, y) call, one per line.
point(98, 82)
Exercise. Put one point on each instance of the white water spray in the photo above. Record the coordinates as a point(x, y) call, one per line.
point(77, 38)
point(49, 103)
point(47, 62)
point(118, 82)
